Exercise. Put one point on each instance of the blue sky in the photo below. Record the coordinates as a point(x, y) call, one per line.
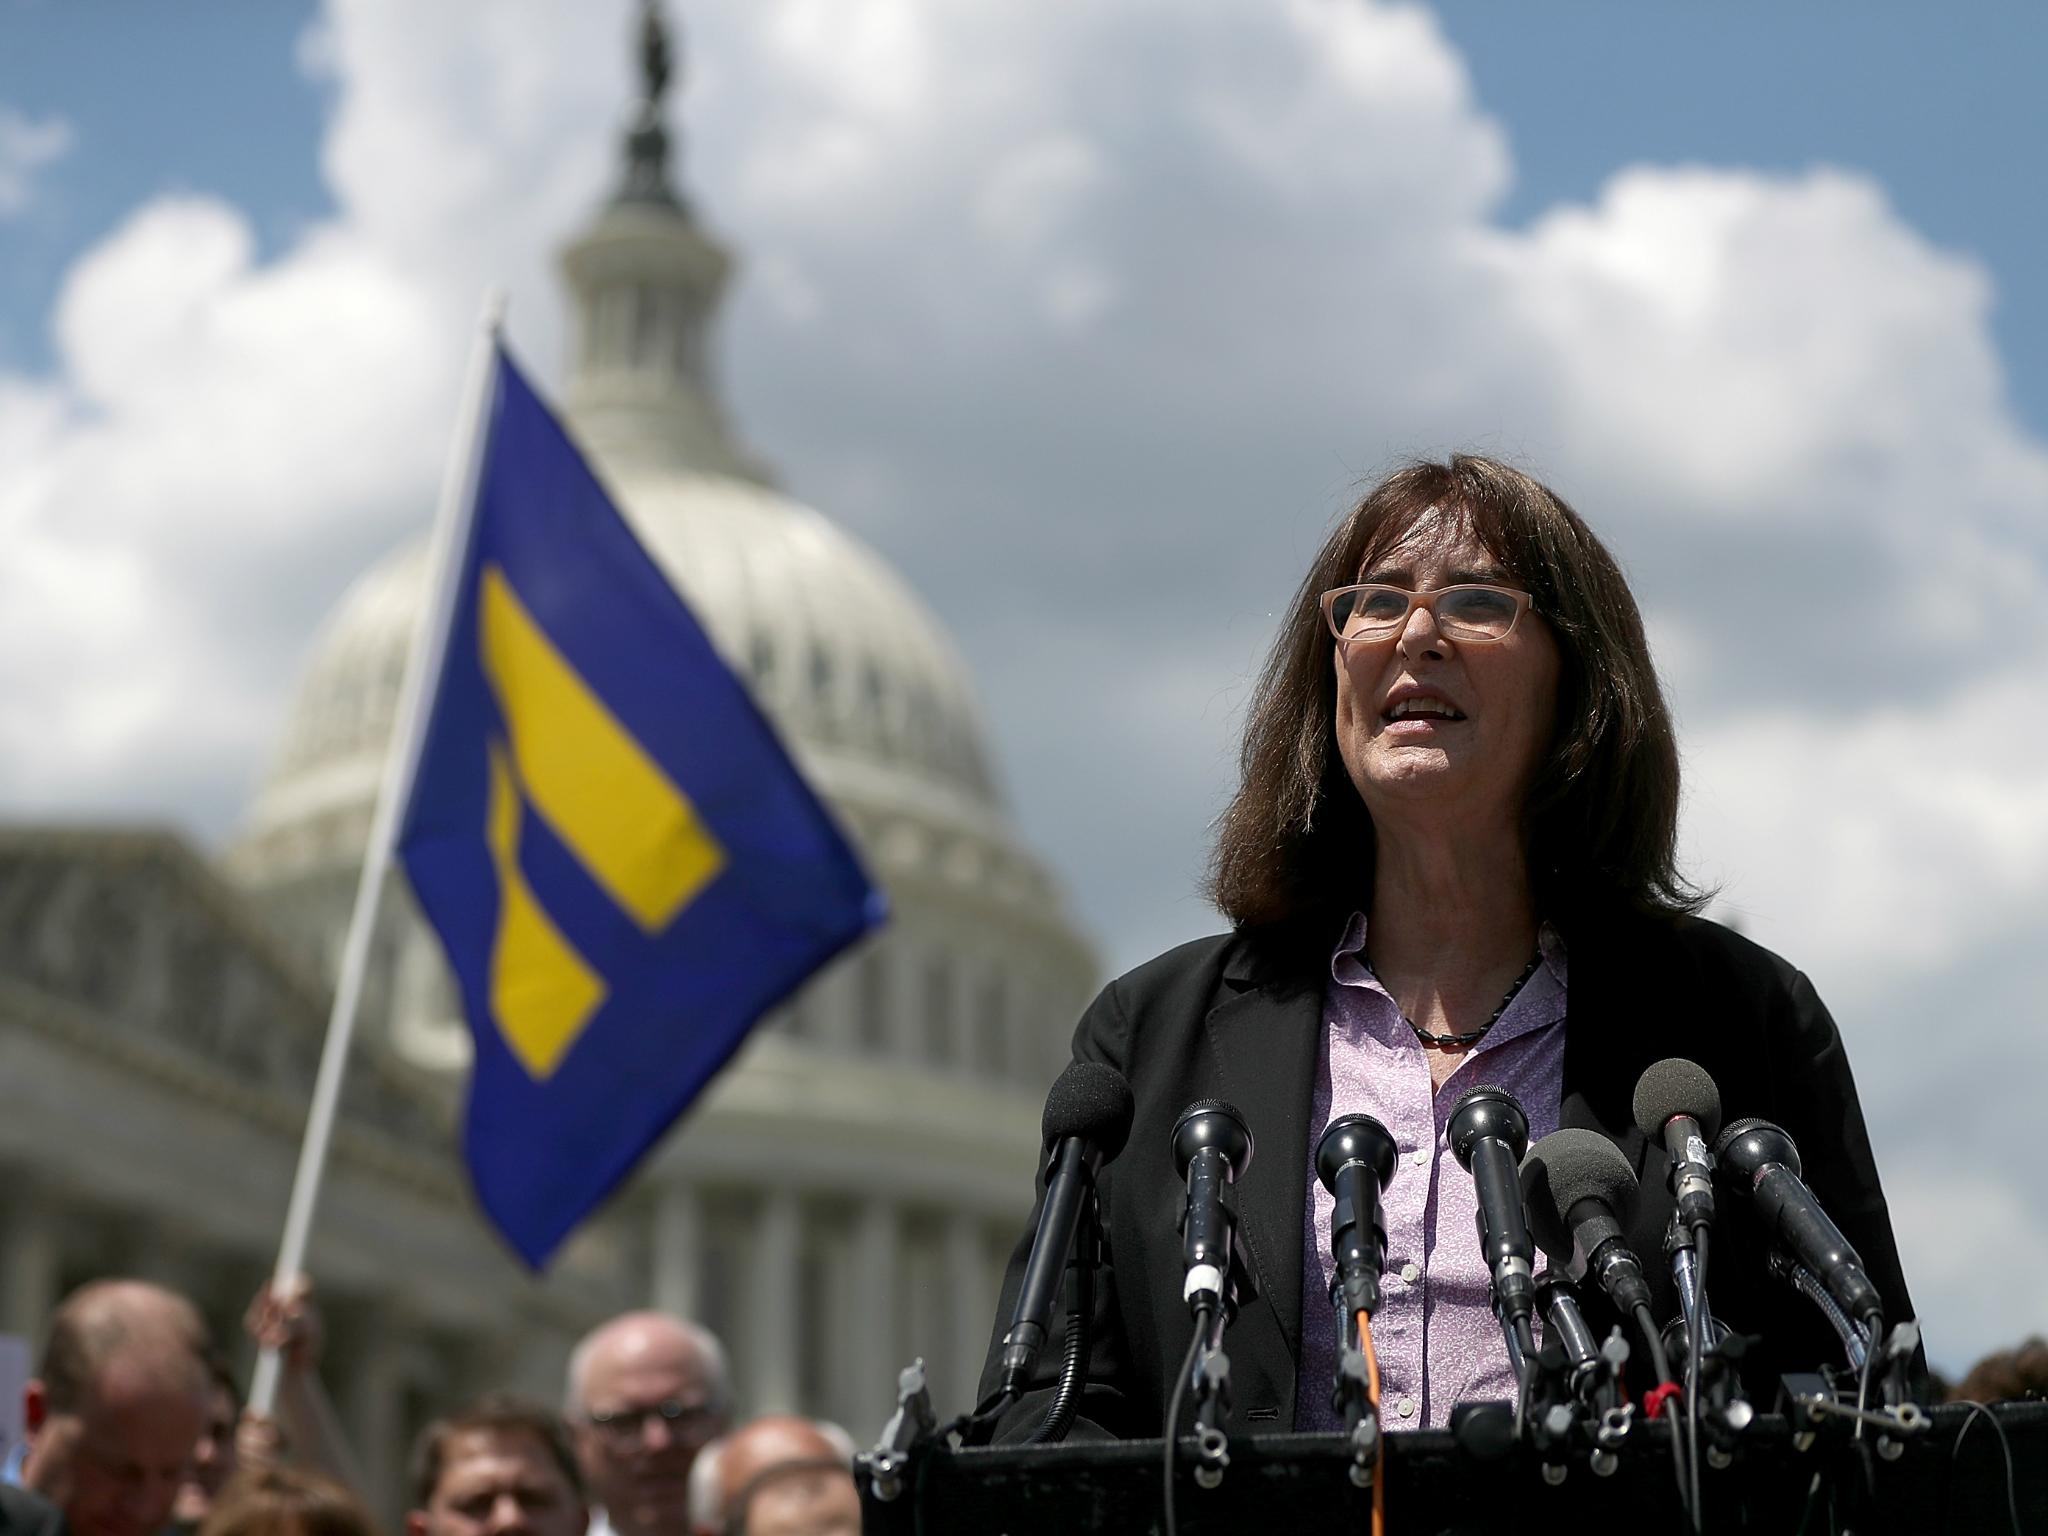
point(1942, 104)
point(202, 97)
point(1111, 308)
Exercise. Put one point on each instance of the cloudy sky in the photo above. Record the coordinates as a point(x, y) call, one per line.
point(1090, 319)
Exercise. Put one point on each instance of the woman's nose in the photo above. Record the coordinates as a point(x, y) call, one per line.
point(1420, 636)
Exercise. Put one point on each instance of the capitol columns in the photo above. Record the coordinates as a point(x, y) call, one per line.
point(775, 1303)
point(371, 1390)
point(872, 1352)
point(839, 1000)
point(970, 1305)
point(678, 1243)
point(31, 1260)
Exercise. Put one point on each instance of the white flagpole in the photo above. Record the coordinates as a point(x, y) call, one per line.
point(452, 520)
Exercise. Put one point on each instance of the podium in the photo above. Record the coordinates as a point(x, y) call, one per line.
point(1436, 1484)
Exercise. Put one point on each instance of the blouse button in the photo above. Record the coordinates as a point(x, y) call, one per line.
point(1406, 1407)
point(1419, 1157)
point(1411, 1272)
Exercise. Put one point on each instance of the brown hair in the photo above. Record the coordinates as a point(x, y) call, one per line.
point(495, 1414)
point(2010, 1373)
point(282, 1501)
point(1297, 842)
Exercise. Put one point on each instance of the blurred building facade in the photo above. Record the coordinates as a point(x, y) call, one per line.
point(844, 1196)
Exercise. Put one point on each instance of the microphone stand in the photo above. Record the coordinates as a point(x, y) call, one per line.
point(1855, 1337)
point(1521, 1343)
point(1212, 1400)
point(911, 1426)
point(1080, 1304)
point(1566, 1324)
point(1354, 1392)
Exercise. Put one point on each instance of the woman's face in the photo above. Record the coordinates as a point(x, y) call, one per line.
point(1475, 763)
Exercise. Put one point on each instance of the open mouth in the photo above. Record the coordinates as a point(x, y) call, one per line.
point(1422, 709)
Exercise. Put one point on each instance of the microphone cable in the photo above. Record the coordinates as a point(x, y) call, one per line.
point(979, 1419)
point(1379, 1446)
point(1955, 1451)
point(1695, 1345)
point(1205, 1315)
point(1863, 1385)
point(1525, 1340)
point(1660, 1364)
point(1059, 1418)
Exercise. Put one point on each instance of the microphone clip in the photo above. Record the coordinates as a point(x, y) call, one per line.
point(1237, 1285)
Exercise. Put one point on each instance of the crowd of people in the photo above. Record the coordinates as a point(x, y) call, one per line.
point(135, 1427)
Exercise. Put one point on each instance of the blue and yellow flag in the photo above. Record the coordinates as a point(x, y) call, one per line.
point(624, 866)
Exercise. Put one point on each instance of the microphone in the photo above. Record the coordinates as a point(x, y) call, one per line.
point(1765, 1164)
point(1567, 1324)
point(1676, 1103)
point(1211, 1150)
point(1355, 1159)
point(1087, 1119)
point(1580, 1192)
point(1489, 1134)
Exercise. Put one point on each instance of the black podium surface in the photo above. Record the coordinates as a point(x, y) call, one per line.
point(1301, 1483)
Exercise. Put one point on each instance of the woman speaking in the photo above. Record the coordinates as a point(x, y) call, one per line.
point(1451, 860)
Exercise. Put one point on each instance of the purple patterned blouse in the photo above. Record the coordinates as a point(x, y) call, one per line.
point(1435, 1334)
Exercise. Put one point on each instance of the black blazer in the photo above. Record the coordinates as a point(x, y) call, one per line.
point(23, 1514)
point(1239, 1017)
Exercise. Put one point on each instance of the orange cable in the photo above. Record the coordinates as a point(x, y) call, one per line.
point(1372, 1396)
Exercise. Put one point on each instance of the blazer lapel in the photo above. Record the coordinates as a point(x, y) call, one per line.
point(1611, 1023)
point(1264, 1038)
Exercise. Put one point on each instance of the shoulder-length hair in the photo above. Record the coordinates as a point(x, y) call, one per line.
point(1602, 819)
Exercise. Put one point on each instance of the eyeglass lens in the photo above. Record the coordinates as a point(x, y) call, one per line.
point(630, 1423)
point(1470, 612)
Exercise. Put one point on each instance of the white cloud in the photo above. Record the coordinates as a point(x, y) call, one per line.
point(1886, 844)
point(1975, 1249)
point(1771, 348)
point(26, 146)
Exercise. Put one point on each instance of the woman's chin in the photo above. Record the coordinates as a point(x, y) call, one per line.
point(1421, 768)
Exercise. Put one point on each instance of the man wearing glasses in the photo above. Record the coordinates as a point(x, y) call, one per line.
point(646, 1393)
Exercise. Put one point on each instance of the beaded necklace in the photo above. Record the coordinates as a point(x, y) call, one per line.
point(1470, 1036)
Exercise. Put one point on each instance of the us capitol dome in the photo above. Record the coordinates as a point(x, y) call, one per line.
point(845, 1195)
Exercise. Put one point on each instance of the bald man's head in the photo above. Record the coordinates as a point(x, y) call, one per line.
point(117, 1406)
point(142, 1325)
point(778, 1476)
point(645, 1392)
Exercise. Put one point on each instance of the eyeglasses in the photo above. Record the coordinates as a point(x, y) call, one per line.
point(1471, 613)
point(693, 1422)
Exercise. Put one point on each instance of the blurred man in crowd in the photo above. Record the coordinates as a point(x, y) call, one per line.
point(498, 1468)
point(777, 1476)
point(214, 1456)
point(304, 1430)
point(116, 1406)
point(646, 1392)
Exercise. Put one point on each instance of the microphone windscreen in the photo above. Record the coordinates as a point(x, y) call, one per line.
point(1564, 1168)
point(1091, 1100)
point(1485, 1110)
point(1211, 1124)
point(1675, 1086)
point(1748, 1146)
